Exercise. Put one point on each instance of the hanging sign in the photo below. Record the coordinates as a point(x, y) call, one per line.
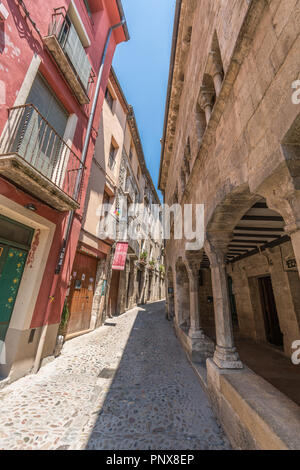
point(120, 256)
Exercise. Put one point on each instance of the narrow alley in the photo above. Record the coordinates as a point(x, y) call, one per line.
point(127, 385)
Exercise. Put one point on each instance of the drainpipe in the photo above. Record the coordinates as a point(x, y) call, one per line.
point(39, 353)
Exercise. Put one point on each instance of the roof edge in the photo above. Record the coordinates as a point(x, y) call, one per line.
point(122, 15)
point(169, 89)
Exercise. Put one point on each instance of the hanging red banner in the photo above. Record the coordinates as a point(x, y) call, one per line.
point(120, 256)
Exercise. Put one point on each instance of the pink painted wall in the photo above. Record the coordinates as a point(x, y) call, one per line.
point(18, 43)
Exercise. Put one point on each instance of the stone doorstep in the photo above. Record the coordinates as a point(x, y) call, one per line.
point(272, 419)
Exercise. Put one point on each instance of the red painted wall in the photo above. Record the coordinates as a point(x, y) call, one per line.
point(18, 43)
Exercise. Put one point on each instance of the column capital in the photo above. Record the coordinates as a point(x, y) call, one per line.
point(216, 66)
point(216, 247)
point(206, 95)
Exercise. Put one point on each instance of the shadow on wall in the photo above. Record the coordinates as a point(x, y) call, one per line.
point(25, 29)
point(149, 404)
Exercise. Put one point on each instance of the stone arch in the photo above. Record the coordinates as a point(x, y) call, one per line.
point(250, 233)
point(290, 148)
point(231, 204)
point(182, 294)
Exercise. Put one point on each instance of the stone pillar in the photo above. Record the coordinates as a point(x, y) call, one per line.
point(206, 99)
point(195, 327)
point(226, 356)
point(217, 72)
point(201, 346)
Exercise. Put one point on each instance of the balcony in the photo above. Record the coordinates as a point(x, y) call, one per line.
point(36, 158)
point(68, 52)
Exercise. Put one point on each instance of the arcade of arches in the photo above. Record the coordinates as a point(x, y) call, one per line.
point(237, 301)
point(231, 142)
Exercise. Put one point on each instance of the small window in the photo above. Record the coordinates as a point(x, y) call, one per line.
point(109, 99)
point(130, 152)
point(138, 173)
point(105, 200)
point(112, 157)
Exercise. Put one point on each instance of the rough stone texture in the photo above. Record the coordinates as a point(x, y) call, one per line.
point(152, 399)
point(243, 138)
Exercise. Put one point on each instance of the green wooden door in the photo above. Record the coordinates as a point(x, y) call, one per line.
point(12, 264)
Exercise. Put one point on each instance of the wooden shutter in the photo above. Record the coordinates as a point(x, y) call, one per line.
point(48, 105)
point(77, 55)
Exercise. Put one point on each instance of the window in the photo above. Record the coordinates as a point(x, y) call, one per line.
point(74, 45)
point(112, 157)
point(109, 99)
point(130, 152)
point(35, 138)
point(42, 97)
point(138, 173)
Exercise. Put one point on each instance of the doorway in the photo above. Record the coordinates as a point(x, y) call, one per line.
point(274, 334)
point(140, 284)
point(128, 290)
point(15, 242)
point(113, 293)
point(80, 300)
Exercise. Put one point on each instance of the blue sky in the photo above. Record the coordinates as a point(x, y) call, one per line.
point(142, 67)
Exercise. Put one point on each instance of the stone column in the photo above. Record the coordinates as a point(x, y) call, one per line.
point(206, 98)
point(201, 346)
point(226, 356)
point(195, 327)
point(217, 72)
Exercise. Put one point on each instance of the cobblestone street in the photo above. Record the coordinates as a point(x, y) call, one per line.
point(127, 385)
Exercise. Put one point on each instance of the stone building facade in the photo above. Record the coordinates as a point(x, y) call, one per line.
point(118, 170)
point(231, 142)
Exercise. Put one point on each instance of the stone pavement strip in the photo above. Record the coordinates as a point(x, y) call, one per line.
point(127, 385)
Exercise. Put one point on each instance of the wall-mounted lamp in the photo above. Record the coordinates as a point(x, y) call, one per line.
point(3, 12)
point(31, 207)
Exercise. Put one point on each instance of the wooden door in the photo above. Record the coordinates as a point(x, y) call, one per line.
point(12, 264)
point(113, 293)
point(80, 301)
point(272, 327)
point(128, 290)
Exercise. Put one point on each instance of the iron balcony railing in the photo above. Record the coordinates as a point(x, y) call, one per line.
point(67, 36)
point(31, 137)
